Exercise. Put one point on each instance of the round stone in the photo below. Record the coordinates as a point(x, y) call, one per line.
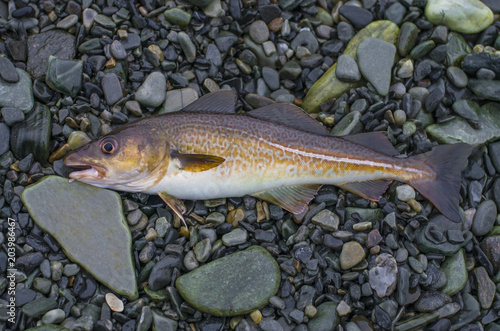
point(54, 316)
point(351, 255)
point(235, 237)
point(485, 218)
point(233, 285)
point(466, 16)
point(457, 76)
point(114, 303)
point(152, 92)
point(259, 32)
point(405, 192)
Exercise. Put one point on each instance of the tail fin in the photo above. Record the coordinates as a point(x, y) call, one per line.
point(444, 190)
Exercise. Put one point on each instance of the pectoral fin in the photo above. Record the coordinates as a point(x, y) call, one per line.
point(196, 162)
point(292, 198)
point(175, 204)
point(371, 189)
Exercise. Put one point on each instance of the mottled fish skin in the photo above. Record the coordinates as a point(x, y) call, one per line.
point(276, 153)
point(261, 155)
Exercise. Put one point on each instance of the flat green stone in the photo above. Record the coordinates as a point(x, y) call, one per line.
point(366, 214)
point(459, 130)
point(456, 273)
point(488, 89)
point(233, 285)
point(329, 86)
point(64, 76)
point(326, 318)
point(417, 322)
point(32, 135)
point(39, 306)
point(18, 95)
point(178, 17)
point(89, 224)
point(456, 49)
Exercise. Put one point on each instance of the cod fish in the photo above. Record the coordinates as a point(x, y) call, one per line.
point(276, 153)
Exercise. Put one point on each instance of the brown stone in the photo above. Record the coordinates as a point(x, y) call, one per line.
point(485, 287)
point(373, 238)
point(491, 247)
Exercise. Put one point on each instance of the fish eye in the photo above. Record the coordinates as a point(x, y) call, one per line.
point(109, 145)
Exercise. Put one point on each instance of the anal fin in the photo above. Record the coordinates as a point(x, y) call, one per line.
point(175, 204)
point(371, 189)
point(292, 198)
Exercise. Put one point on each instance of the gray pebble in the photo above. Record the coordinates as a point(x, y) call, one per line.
point(485, 218)
point(347, 69)
point(118, 51)
point(259, 32)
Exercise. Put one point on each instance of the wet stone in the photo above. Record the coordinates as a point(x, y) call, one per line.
point(457, 76)
point(54, 316)
point(235, 237)
point(96, 225)
point(326, 318)
point(112, 88)
point(39, 306)
point(430, 301)
point(152, 92)
point(466, 16)
point(327, 220)
point(161, 273)
point(7, 71)
point(232, 285)
point(491, 247)
point(487, 89)
point(485, 287)
point(357, 16)
point(468, 110)
point(383, 276)
point(178, 17)
point(18, 95)
point(455, 270)
point(259, 32)
point(347, 68)
point(351, 255)
point(485, 218)
point(375, 60)
point(57, 43)
point(64, 76)
point(32, 135)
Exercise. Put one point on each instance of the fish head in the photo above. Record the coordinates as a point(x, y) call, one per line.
point(132, 158)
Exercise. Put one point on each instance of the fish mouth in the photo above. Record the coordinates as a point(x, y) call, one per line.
point(87, 170)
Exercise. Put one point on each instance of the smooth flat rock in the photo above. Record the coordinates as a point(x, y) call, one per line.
point(40, 46)
point(326, 319)
point(152, 92)
point(456, 273)
point(112, 88)
point(466, 16)
point(64, 76)
point(175, 100)
point(329, 86)
point(375, 60)
point(352, 254)
point(459, 130)
point(233, 285)
point(487, 89)
point(32, 135)
point(7, 71)
point(89, 224)
point(18, 95)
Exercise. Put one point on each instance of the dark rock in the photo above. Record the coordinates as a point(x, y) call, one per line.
point(161, 273)
point(7, 70)
point(357, 16)
point(57, 43)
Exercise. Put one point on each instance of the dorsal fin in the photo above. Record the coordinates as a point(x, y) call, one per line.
point(222, 101)
point(376, 141)
point(292, 198)
point(371, 189)
point(290, 115)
